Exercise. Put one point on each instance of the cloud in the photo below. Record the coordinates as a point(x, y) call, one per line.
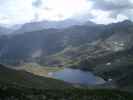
point(61, 9)
point(100, 11)
point(111, 5)
point(115, 7)
point(16, 11)
point(37, 3)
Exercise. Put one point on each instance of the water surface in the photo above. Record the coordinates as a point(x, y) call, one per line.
point(77, 76)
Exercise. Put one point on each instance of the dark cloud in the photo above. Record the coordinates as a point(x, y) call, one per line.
point(115, 7)
point(109, 5)
point(37, 3)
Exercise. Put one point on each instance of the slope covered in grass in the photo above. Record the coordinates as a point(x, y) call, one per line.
point(22, 93)
point(22, 78)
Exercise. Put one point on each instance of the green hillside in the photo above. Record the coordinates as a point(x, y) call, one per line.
point(21, 93)
point(22, 78)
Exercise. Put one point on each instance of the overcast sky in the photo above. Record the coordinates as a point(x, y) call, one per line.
point(99, 11)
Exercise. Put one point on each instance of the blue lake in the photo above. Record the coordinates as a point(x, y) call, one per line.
point(76, 76)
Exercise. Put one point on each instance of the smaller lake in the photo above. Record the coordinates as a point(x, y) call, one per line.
point(76, 76)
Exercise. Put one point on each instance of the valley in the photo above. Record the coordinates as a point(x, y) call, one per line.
point(23, 85)
point(66, 49)
point(69, 75)
point(87, 57)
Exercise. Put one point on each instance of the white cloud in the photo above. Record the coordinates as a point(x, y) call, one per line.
point(114, 8)
point(62, 9)
point(16, 11)
point(20, 11)
point(103, 17)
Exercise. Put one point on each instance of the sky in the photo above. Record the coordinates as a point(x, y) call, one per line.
point(98, 11)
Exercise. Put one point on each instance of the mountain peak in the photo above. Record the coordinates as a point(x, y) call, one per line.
point(126, 22)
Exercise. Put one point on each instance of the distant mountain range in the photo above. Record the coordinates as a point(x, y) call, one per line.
point(41, 42)
point(41, 25)
point(36, 26)
point(5, 31)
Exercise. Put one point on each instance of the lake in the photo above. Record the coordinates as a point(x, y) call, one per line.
point(76, 76)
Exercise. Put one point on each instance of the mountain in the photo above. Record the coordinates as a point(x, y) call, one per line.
point(45, 42)
point(4, 30)
point(33, 45)
point(8, 30)
point(36, 26)
point(106, 50)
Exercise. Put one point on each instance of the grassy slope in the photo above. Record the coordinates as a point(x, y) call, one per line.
point(23, 78)
point(37, 69)
point(21, 85)
point(68, 57)
point(22, 93)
